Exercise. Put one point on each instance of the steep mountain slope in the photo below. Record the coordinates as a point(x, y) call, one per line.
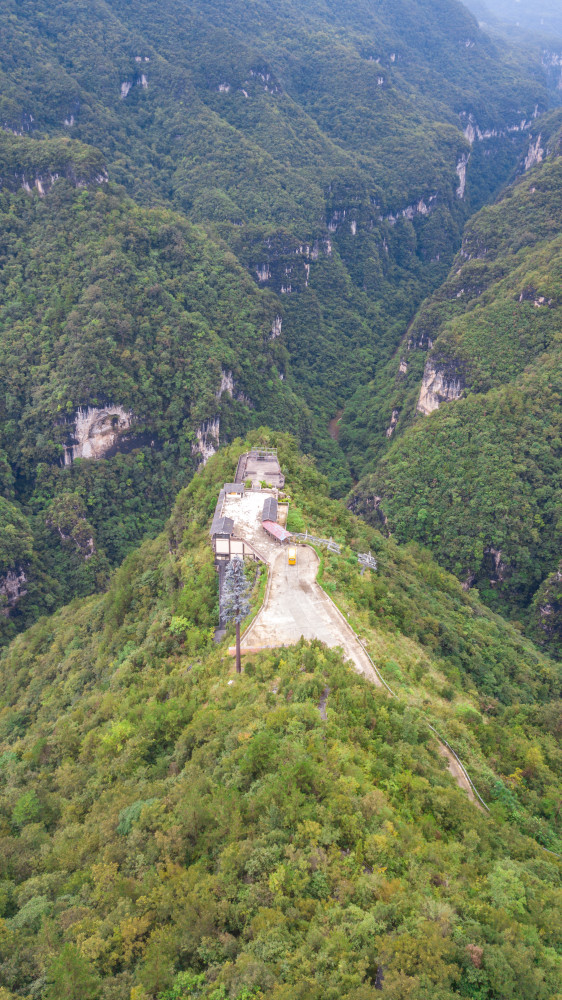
point(323, 143)
point(479, 481)
point(327, 148)
point(171, 830)
point(129, 341)
point(543, 17)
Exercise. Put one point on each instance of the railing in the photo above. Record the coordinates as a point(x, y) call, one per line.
point(328, 542)
point(367, 561)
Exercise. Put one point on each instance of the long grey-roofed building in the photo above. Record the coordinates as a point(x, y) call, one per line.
point(269, 512)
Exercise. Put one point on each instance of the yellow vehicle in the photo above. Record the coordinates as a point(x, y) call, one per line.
point(292, 555)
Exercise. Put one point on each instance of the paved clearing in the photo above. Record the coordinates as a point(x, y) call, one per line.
point(295, 606)
point(246, 513)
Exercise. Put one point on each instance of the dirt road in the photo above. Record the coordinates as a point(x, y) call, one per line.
point(296, 606)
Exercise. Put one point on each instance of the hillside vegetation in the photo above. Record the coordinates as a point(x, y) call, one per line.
point(479, 481)
point(106, 303)
point(212, 219)
point(171, 830)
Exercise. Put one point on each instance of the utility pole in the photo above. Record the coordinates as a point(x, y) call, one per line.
point(236, 604)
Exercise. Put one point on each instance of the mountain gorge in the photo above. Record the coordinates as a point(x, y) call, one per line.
point(479, 480)
point(333, 233)
point(213, 220)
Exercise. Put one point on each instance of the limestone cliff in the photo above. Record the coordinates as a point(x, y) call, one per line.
point(441, 383)
point(207, 439)
point(96, 431)
point(12, 587)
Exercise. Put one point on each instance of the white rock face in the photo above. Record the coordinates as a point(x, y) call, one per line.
point(96, 431)
point(207, 439)
point(353, 227)
point(263, 272)
point(461, 171)
point(12, 587)
point(403, 366)
point(144, 81)
point(473, 132)
point(125, 88)
point(224, 88)
point(420, 207)
point(499, 565)
point(276, 328)
point(227, 384)
point(553, 60)
point(436, 388)
point(535, 154)
point(393, 422)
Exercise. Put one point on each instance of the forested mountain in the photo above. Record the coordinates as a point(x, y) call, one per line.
point(479, 481)
point(541, 17)
point(231, 220)
point(127, 335)
point(330, 156)
point(172, 830)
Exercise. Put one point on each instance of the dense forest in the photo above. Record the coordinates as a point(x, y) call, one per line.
point(334, 229)
point(479, 481)
point(213, 219)
point(170, 829)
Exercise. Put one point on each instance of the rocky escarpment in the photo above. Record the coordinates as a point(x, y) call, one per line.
point(36, 164)
point(547, 614)
point(283, 264)
point(96, 432)
point(552, 63)
point(441, 383)
point(207, 439)
point(12, 588)
point(535, 153)
point(207, 433)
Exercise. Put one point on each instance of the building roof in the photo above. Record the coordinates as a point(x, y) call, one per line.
point(223, 526)
point(276, 530)
point(234, 487)
point(269, 509)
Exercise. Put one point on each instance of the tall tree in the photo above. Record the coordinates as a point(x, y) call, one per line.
point(236, 604)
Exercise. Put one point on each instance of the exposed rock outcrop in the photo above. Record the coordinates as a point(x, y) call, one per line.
point(276, 328)
point(499, 567)
point(12, 588)
point(441, 383)
point(461, 171)
point(473, 133)
point(535, 154)
point(207, 442)
point(44, 183)
point(393, 422)
point(96, 431)
point(228, 386)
